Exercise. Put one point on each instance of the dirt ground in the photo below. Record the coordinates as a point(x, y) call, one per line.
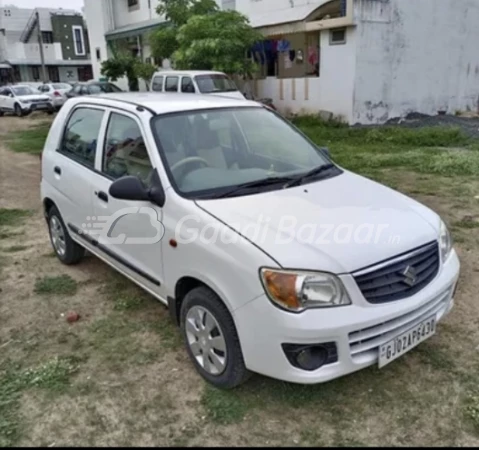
point(132, 383)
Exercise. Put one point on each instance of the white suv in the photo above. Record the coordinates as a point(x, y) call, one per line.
point(270, 257)
point(22, 100)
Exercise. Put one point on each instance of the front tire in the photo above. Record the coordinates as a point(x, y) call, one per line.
point(211, 339)
point(67, 251)
point(18, 110)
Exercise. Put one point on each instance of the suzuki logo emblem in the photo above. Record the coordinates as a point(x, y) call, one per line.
point(410, 277)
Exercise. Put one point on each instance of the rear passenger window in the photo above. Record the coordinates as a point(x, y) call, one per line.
point(157, 84)
point(187, 85)
point(171, 84)
point(81, 135)
point(125, 151)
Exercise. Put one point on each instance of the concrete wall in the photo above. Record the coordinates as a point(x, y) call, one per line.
point(415, 56)
point(331, 91)
point(99, 22)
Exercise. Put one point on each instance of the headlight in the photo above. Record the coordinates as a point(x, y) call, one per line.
point(445, 242)
point(297, 291)
point(24, 101)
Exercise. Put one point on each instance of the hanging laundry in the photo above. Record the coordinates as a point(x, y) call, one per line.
point(312, 55)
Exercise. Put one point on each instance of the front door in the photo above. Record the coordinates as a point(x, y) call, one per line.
point(131, 231)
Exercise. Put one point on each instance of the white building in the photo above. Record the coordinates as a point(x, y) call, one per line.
point(64, 43)
point(365, 60)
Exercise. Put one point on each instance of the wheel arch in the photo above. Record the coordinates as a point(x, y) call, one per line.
point(183, 286)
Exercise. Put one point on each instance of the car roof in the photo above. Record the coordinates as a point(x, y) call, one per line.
point(164, 103)
point(188, 72)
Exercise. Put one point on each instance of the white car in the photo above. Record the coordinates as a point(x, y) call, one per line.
point(270, 257)
point(56, 92)
point(195, 82)
point(22, 100)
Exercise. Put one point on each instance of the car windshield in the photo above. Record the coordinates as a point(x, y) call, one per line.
point(61, 86)
point(104, 87)
point(215, 83)
point(22, 90)
point(207, 153)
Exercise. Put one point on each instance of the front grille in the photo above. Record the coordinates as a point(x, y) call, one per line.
point(400, 278)
point(368, 340)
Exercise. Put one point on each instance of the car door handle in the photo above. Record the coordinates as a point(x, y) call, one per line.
point(57, 170)
point(102, 196)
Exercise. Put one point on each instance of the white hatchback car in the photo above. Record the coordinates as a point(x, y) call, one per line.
point(22, 100)
point(56, 92)
point(270, 257)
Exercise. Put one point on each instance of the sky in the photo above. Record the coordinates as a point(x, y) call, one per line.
point(66, 4)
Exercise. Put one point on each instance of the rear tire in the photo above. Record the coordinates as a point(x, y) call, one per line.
point(67, 251)
point(223, 366)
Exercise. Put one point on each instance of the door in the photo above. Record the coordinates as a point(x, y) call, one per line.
point(74, 165)
point(132, 230)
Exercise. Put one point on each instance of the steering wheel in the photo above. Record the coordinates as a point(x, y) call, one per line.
point(190, 161)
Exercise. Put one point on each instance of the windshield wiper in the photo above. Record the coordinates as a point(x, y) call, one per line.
point(254, 184)
point(316, 171)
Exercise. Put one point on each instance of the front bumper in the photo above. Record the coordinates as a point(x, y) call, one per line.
point(358, 330)
point(30, 107)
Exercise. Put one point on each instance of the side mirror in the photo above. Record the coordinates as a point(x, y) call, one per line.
point(131, 188)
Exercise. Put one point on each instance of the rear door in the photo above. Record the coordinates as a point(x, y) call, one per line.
point(132, 230)
point(74, 164)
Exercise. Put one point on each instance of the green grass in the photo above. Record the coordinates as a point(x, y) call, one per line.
point(54, 376)
point(29, 141)
point(59, 285)
point(466, 223)
point(15, 249)
point(223, 407)
point(12, 217)
point(472, 410)
point(432, 150)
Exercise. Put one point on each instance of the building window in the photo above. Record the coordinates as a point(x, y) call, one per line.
point(133, 5)
point(98, 54)
point(47, 37)
point(337, 36)
point(79, 44)
point(7, 13)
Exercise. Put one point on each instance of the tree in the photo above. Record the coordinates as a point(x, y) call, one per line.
point(218, 41)
point(121, 65)
point(145, 72)
point(177, 12)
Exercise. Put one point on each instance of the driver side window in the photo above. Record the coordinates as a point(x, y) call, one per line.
point(125, 151)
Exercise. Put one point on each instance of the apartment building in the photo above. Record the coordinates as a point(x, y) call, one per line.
point(365, 60)
point(64, 41)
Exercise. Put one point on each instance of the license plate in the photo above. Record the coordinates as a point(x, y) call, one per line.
point(406, 341)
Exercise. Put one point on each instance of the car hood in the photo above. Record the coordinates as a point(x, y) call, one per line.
point(34, 97)
point(339, 225)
